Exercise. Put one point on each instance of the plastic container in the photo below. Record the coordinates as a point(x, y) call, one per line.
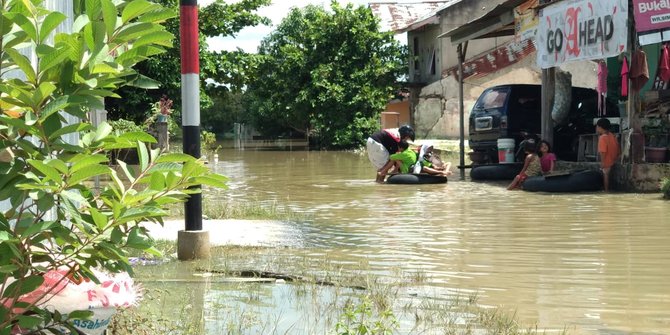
point(506, 150)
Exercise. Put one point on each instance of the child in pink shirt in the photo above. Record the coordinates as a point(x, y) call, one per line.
point(547, 158)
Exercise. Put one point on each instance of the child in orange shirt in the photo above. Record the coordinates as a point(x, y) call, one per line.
point(608, 148)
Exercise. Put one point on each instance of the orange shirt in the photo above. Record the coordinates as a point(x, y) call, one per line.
point(608, 147)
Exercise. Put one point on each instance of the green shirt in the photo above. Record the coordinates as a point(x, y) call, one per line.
point(407, 158)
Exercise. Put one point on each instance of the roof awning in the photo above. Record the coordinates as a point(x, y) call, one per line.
point(497, 22)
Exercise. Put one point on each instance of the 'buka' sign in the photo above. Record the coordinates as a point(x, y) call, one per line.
point(581, 30)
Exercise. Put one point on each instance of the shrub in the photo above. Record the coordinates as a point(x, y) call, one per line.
point(665, 188)
point(56, 220)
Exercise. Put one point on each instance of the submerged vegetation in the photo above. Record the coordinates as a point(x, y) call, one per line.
point(198, 298)
point(248, 210)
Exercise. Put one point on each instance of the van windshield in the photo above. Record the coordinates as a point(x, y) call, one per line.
point(493, 98)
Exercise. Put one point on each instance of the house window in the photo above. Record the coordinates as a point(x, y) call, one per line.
point(416, 53)
point(433, 69)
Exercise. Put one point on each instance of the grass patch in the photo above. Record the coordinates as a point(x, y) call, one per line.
point(236, 306)
point(248, 210)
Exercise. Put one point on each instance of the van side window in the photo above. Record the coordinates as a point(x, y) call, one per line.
point(494, 98)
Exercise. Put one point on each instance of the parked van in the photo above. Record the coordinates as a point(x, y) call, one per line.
point(507, 111)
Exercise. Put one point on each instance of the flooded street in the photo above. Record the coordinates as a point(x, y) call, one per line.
point(596, 263)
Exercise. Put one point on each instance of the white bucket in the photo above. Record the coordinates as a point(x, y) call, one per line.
point(506, 150)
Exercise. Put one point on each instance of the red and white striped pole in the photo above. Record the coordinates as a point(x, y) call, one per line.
point(193, 242)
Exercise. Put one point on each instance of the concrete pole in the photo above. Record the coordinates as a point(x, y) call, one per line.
point(193, 242)
point(548, 88)
point(462, 50)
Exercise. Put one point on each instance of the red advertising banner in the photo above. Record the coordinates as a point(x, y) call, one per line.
point(651, 14)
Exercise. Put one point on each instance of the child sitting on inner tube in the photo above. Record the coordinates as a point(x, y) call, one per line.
point(400, 161)
point(430, 164)
point(531, 166)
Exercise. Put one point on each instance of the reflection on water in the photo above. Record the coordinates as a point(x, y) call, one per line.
point(597, 263)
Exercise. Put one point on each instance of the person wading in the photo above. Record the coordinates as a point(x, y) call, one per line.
point(383, 143)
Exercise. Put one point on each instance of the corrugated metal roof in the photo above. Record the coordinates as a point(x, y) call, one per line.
point(494, 60)
point(398, 16)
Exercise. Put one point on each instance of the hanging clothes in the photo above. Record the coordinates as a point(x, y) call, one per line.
point(639, 70)
point(601, 88)
point(664, 63)
point(624, 77)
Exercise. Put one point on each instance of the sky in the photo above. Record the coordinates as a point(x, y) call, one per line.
point(249, 38)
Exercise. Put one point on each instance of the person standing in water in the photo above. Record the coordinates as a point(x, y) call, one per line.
point(608, 149)
point(383, 144)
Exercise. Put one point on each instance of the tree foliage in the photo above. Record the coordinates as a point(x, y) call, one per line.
point(326, 72)
point(227, 68)
point(56, 220)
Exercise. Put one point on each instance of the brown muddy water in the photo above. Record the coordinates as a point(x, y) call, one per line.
point(590, 263)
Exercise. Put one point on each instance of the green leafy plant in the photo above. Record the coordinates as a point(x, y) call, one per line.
point(125, 126)
point(55, 219)
point(208, 140)
point(665, 188)
point(359, 320)
point(326, 73)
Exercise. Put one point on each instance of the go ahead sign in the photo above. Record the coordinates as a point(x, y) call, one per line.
point(581, 30)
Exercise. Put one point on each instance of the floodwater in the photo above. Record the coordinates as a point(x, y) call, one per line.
point(592, 263)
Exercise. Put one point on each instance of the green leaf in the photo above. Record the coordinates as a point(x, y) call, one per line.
point(80, 23)
point(84, 161)
point(53, 59)
point(218, 182)
point(157, 182)
point(54, 106)
point(126, 171)
point(58, 164)
point(9, 268)
point(137, 240)
point(27, 25)
point(89, 172)
point(29, 321)
point(36, 228)
point(135, 9)
point(72, 128)
point(93, 9)
point(160, 37)
point(138, 136)
point(135, 55)
point(141, 81)
point(109, 16)
point(143, 155)
point(117, 235)
point(49, 172)
point(175, 158)
point(23, 63)
point(104, 129)
point(80, 315)
point(99, 219)
point(51, 21)
point(158, 15)
point(23, 286)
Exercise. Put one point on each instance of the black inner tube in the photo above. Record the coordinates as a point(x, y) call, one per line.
point(410, 178)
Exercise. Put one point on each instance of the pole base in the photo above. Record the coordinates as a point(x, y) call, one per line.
point(192, 245)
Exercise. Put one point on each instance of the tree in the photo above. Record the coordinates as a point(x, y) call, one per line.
point(326, 73)
point(230, 69)
point(57, 223)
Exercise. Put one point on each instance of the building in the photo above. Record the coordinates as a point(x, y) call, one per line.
point(433, 63)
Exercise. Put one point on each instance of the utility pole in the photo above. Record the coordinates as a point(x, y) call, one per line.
point(193, 242)
point(462, 51)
